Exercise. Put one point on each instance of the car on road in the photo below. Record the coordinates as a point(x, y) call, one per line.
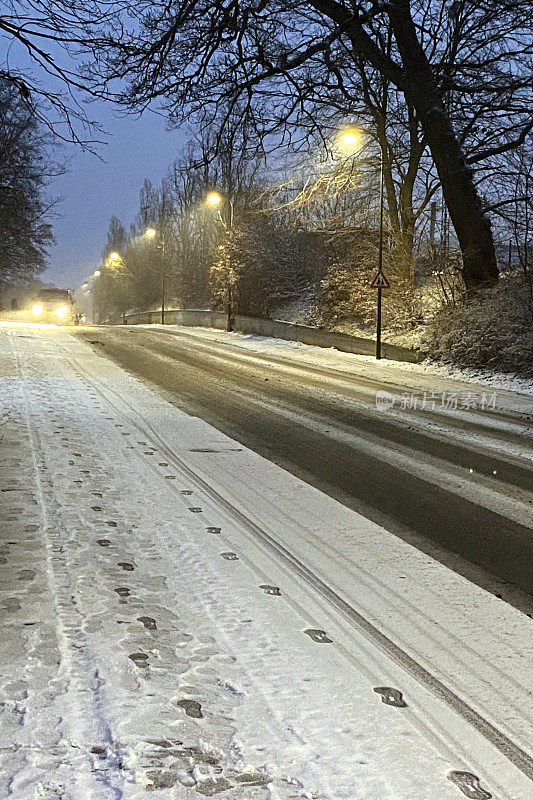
point(53, 305)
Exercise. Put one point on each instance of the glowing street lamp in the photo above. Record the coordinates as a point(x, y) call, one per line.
point(89, 290)
point(114, 256)
point(213, 199)
point(151, 233)
point(349, 139)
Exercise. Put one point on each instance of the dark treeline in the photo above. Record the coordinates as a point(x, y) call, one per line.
point(297, 237)
point(26, 165)
point(439, 91)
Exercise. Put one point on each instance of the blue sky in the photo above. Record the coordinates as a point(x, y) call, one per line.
point(93, 190)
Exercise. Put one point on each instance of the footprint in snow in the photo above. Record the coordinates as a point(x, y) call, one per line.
point(139, 659)
point(126, 566)
point(191, 707)
point(318, 636)
point(26, 574)
point(123, 591)
point(469, 785)
point(270, 590)
point(103, 542)
point(391, 697)
point(230, 556)
point(148, 622)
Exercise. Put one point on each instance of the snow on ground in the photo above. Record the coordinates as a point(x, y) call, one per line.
point(368, 365)
point(183, 618)
point(486, 417)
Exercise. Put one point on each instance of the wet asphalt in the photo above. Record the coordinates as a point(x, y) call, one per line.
point(272, 409)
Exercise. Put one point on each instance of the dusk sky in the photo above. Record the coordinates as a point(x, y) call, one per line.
point(93, 190)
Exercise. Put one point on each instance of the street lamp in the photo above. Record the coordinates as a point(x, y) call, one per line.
point(214, 199)
point(151, 233)
point(115, 263)
point(88, 287)
point(349, 140)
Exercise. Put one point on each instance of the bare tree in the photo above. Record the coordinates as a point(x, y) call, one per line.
point(46, 45)
point(208, 56)
point(26, 165)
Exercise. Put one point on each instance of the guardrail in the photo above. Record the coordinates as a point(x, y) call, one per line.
point(277, 329)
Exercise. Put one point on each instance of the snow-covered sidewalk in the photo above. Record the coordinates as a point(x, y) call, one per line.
point(183, 618)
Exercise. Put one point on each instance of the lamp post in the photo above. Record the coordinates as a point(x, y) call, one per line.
point(96, 274)
point(214, 200)
point(88, 290)
point(115, 263)
point(151, 233)
point(349, 140)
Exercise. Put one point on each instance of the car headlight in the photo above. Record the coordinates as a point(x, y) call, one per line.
point(37, 309)
point(62, 311)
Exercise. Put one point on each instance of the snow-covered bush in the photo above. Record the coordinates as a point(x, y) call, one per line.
point(493, 330)
point(266, 264)
point(344, 297)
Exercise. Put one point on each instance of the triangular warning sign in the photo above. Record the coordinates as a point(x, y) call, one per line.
point(380, 281)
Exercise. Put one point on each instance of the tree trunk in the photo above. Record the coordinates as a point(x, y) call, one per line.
point(405, 254)
point(471, 226)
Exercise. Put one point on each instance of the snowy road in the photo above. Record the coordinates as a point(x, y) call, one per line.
point(455, 482)
point(182, 618)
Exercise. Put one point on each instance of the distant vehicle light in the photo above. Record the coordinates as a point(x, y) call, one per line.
point(37, 309)
point(62, 311)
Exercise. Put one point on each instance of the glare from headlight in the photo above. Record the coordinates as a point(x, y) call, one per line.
point(37, 309)
point(62, 311)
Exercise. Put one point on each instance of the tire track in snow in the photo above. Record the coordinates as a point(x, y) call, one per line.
point(509, 749)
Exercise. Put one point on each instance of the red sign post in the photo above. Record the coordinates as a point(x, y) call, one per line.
point(380, 282)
